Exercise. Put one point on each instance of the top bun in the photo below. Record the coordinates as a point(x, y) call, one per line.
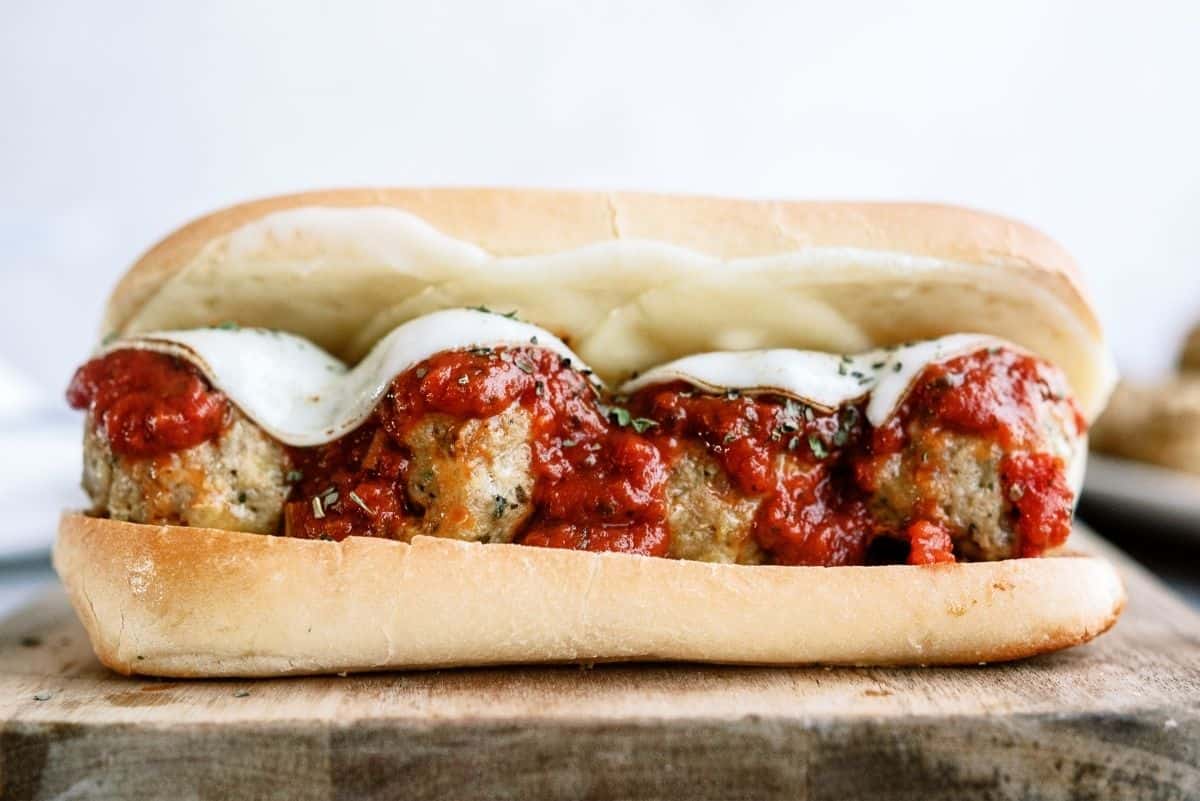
point(629, 280)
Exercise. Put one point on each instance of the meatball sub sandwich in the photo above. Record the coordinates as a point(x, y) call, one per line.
point(361, 430)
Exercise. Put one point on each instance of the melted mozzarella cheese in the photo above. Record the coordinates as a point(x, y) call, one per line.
point(301, 395)
point(825, 380)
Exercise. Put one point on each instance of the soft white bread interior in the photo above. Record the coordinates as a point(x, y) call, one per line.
point(628, 280)
point(172, 601)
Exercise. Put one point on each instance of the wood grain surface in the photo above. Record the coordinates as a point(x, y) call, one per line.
point(1116, 719)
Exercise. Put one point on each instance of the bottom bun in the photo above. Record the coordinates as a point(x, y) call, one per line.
point(171, 601)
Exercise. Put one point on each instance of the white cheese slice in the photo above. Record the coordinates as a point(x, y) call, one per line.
point(825, 380)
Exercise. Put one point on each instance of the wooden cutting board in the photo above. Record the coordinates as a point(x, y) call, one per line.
point(1119, 718)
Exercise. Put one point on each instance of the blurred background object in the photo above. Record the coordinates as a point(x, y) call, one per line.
point(1189, 356)
point(122, 120)
point(1156, 422)
point(1143, 478)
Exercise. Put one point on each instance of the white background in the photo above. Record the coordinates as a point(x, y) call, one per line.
point(121, 120)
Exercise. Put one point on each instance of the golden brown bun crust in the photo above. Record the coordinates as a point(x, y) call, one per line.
point(173, 601)
point(525, 222)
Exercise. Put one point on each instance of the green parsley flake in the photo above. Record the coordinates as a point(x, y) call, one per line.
point(817, 447)
point(620, 416)
point(512, 315)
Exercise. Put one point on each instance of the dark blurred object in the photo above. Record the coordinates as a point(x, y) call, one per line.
point(1171, 552)
point(1189, 357)
point(1164, 502)
point(1142, 489)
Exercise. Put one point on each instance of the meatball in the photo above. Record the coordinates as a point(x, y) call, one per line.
point(954, 479)
point(985, 446)
point(473, 478)
point(710, 520)
point(235, 481)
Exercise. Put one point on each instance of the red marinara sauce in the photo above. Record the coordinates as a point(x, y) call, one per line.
point(814, 470)
point(810, 513)
point(597, 486)
point(999, 395)
point(148, 403)
point(353, 485)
